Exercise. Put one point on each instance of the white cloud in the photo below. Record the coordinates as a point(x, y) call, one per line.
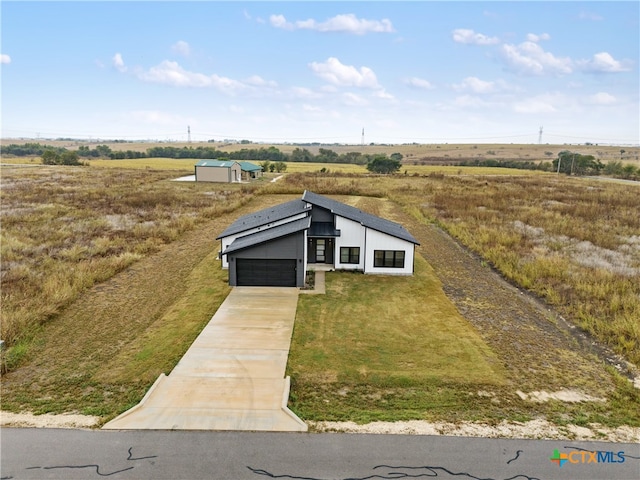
point(4, 58)
point(539, 104)
point(181, 48)
point(354, 100)
point(603, 62)
point(475, 85)
point(118, 63)
point(304, 92)
point(530, 58)
point(470, 101)
point(602, 98)
point(469, 37)
point(279, 21)
point(419, 83)
point(157, 117)
point(532, 37)
point(594, 17)
point(382, 93)
point(347, 23)
point(172, 73)
point(311, 108)
point(338, 74)
point(258, 81)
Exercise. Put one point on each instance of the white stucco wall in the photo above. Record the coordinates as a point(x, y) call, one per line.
point(380, 241)
point(351, 235)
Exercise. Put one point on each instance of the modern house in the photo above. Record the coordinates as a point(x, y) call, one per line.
point(276, 246)
point(225, 171)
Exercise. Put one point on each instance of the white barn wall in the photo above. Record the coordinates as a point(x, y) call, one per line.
point(381, 241)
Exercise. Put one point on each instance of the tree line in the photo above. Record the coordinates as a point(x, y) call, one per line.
point(376, 162)
point(567, 162)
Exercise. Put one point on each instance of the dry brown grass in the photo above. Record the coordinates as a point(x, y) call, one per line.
point(66, 229)
point(573, 242)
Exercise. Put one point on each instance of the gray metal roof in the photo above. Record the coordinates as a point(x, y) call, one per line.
point(272, 233)
point(263, 217)
point(216, 163)
point(366, 219)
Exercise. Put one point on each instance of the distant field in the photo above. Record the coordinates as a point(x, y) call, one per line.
point(433, 153)
point(150, 163)
point(187, 165)
point(294, 167)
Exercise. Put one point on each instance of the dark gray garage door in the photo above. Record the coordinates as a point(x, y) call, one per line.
point(252, 272)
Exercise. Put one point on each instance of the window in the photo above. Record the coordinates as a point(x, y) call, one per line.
point(388, 258)
point(349, 254)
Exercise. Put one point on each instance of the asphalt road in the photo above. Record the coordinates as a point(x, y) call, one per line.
point(85, 454)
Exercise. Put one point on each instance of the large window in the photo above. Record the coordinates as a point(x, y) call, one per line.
point(349, 254)
point(388, 258)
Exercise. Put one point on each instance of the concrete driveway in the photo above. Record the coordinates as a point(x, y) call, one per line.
point(232, 376)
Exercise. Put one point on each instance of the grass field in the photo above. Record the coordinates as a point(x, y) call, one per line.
point(108, 273)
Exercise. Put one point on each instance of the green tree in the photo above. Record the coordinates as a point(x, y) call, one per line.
point(103, 151)
point(50, 157)
point(326, 155)
point(301, 155)
point(280, 167)
point(383, 164)
point(69, 158)
point(577, 164)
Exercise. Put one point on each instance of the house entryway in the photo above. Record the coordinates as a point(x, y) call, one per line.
point(321, 250)
point(233, 375)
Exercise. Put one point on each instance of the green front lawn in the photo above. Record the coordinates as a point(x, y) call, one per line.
point(385, 348)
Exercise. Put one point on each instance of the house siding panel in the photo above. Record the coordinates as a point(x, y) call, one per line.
point(289, 247)
point(321, 215)
point(379, 241)
point(351, 235)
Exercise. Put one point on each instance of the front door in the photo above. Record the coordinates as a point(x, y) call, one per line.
point(321, 250)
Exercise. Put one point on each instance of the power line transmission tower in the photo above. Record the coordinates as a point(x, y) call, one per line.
point(540, 136)
point(189, 134)
point(362, 141)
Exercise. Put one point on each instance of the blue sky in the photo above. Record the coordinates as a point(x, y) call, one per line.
point(426, 72)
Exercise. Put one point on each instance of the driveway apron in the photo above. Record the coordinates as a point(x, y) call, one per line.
point(232, 376)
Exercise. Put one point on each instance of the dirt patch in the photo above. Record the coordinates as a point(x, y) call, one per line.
point(569, 396)
point(66, 420)
point(535, 429)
